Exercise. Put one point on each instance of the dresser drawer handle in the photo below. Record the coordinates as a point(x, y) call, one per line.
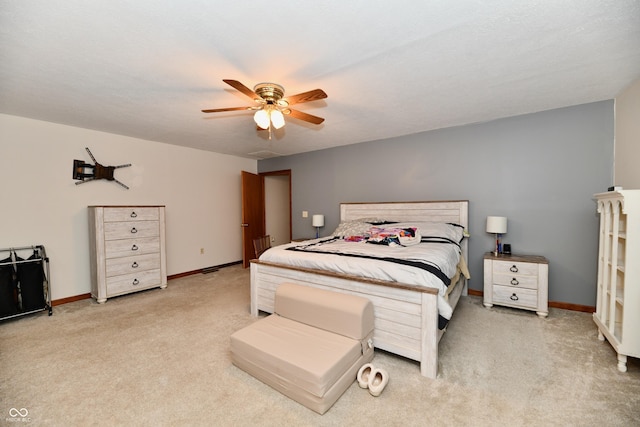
point(134, 214)
point(134, 230)
point(513, 269)
point(514, 297)
point(134, 247)
point(134, 265)
point(515, 282)
point(136, 282)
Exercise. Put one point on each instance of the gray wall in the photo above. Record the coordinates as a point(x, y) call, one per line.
point(539, 170)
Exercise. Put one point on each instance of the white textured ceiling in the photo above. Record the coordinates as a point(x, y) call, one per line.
point(145, 68)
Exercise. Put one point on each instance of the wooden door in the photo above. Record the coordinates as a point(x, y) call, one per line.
point(253, 217)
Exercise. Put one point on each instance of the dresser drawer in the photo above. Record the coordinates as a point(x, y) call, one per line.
point(516, 297)
point(131, 247)
point(131, 214)
point(133, 282)
point(134, 264)
point(516, 281)
point(508, 267)
point(131, 229)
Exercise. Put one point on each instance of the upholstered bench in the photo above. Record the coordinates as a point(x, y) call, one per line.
point(311, 347)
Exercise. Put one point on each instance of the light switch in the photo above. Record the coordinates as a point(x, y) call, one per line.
point(305, 214)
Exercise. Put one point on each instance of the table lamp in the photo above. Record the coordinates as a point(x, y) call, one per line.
point(498, 226)
point(317, 221)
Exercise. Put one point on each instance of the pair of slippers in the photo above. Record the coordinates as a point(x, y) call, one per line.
point(375, 379)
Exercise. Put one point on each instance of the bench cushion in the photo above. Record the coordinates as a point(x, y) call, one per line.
point(348, 315)
point(295, 355)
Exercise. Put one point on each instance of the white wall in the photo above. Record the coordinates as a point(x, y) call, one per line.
point(41, 204)
point(627, 148)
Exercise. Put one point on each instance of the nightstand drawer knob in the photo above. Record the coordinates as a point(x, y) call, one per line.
point(134, 214)
point(134, 230)
point(137, 282)
point(515, 282)
point(513, 269)
point(134, 265)
point(514, 297)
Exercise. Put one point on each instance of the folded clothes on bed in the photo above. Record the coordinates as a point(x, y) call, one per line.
point(394, 236)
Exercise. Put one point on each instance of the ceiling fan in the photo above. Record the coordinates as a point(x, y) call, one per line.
point(271, 105)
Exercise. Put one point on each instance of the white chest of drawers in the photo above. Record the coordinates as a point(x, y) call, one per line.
point(519, 281)
point(127, 245)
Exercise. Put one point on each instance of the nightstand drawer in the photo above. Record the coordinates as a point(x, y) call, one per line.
point(508, 295)
point(516, 280)
point(522, 268)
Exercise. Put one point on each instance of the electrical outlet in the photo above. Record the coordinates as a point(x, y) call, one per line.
point(305, 214)
point(201, 251)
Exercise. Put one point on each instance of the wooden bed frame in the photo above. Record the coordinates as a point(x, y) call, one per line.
point(406, 316)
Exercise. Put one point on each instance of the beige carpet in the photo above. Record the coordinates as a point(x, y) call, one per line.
point(161, 358)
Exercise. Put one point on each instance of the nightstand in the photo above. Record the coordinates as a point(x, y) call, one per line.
point(518, 281)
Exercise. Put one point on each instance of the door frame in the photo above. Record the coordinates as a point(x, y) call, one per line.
point(262, 175)
point(287, 173)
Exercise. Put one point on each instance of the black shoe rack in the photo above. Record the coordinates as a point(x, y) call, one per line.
point(24, 281)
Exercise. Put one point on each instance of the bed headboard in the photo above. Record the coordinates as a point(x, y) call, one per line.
point(456, 211)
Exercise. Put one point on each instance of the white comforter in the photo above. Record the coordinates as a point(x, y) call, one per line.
point(444, 256)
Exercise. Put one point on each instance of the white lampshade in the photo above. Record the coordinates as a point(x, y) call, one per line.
point(261, 117)
point(496, 224)
point(318, 221)
point(277, 118)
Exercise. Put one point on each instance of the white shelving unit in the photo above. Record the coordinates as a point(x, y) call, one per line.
point(618, 285)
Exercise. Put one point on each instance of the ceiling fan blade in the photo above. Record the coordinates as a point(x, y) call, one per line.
point(312, 95)
point(242, 88)
point(219, 110)
point(306, 117)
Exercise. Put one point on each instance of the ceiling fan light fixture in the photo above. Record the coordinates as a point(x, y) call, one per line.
point(277, 118)
point(272, 105)
point(261, 117)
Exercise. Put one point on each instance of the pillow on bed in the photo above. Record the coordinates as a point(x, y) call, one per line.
point(429, 231)
point(434, 231)
point(351, 228)
point(358, 227)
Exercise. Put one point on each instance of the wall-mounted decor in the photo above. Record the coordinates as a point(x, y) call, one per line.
point(85, 172)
